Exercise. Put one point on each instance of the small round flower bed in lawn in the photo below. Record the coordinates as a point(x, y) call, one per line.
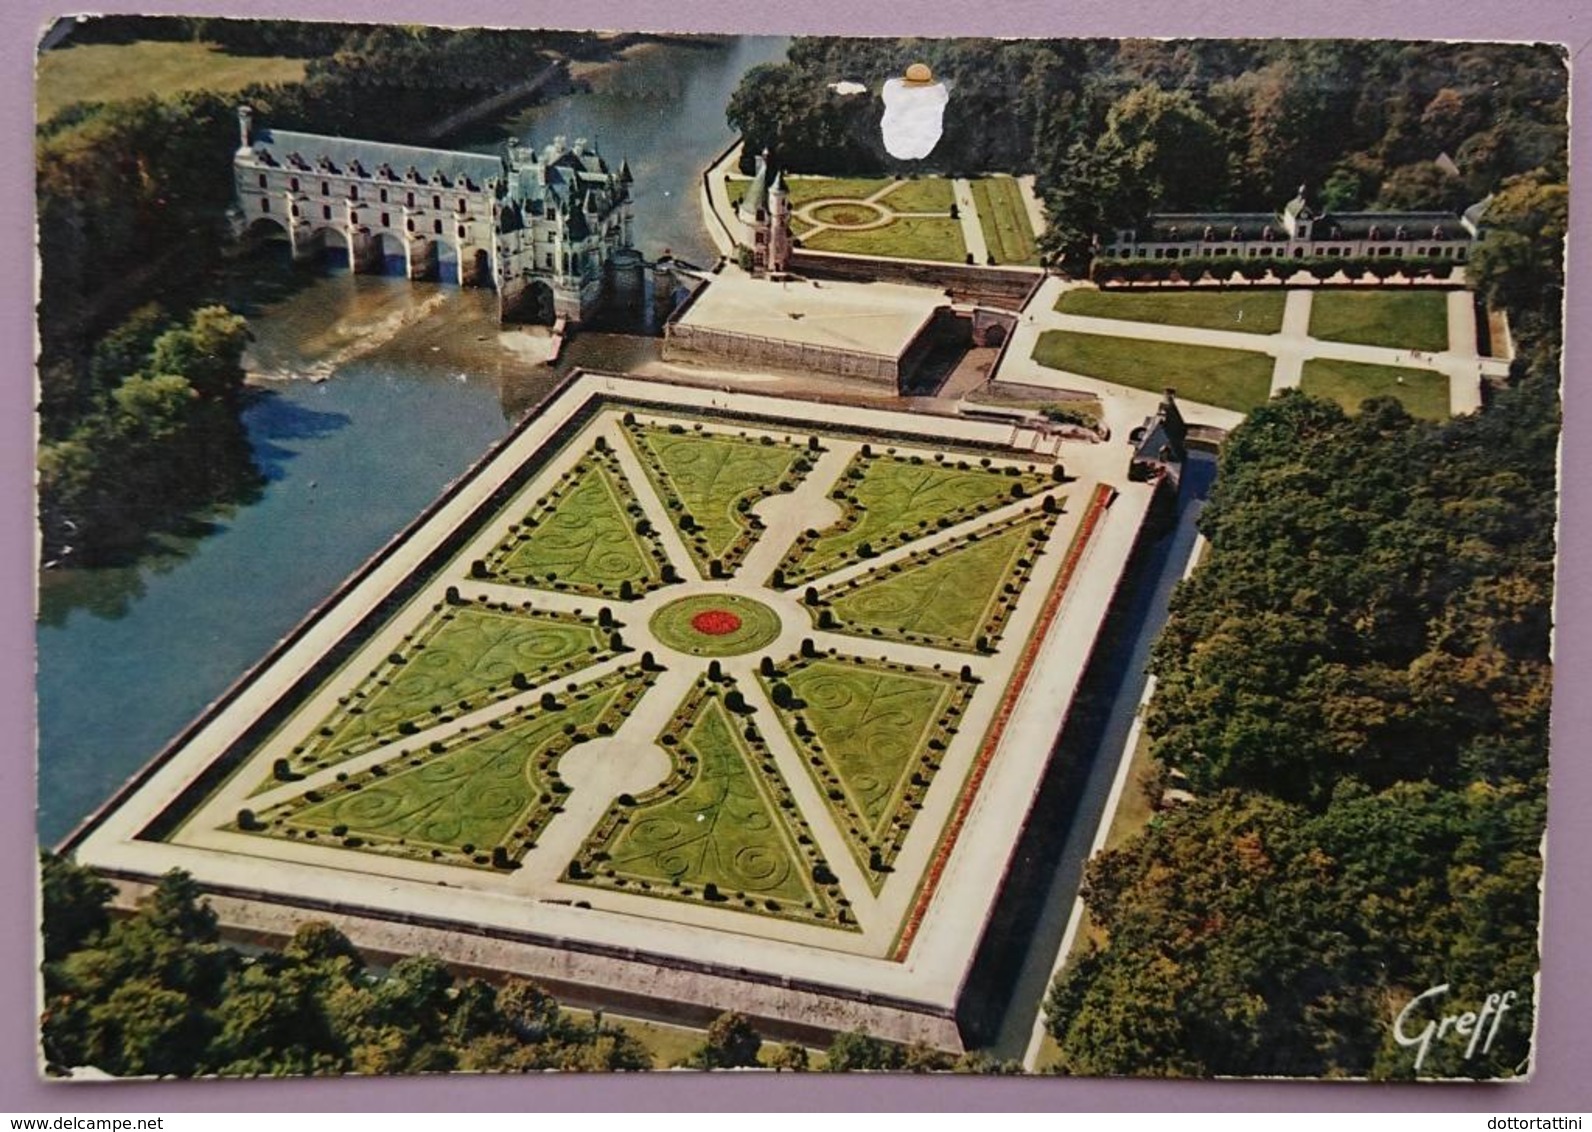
point(715, 625)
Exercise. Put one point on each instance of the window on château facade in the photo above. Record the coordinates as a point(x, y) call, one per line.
point(326, 188)
point(326, 212)
point(262, 180)
point(436, 227)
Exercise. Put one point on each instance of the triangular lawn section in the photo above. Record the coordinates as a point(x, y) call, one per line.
point(889, 501)
point(863, 729)
point(948, 597)
point(712, 475)
point(715, 831)
point(581, 537)
point(459, 655)
point(490, 787)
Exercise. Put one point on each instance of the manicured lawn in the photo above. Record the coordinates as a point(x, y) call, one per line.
point(1004, 219)
point(484, 789)
point(1423, 392)
point(1249, 311)
point(891, 500)
point(715, 625)
point(1401, 319)
point(461, 657)
point(1231, 379)
point(583, 536)
point(946, 596)
point(907, 237)
point(715, 830)
point(114, 72)
point(865, 729)
point(805, 190)
point(922, 194)
point(716, 479)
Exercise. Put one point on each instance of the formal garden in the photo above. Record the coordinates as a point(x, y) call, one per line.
point(872, 734)
point(446, 741)
point(889, 499)
point(710, 481)
point(462, 656)
point(479, 797)
point(588, 536)
point(722, 829)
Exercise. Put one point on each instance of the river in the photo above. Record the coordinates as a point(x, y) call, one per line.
point(416, 383)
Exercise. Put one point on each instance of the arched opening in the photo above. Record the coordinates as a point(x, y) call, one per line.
point(266, 239)
point(334, 249)
point(481, 269)
point(447, 262)
point(390, 254)
point(539, 307)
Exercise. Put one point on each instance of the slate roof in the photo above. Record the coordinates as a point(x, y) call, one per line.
point(366, 158)
point(1174, 227)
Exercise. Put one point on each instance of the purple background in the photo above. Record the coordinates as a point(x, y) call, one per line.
point(1564, 1051)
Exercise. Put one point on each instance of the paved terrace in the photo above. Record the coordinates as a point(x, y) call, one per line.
point(1291, 348)
point(871, 318)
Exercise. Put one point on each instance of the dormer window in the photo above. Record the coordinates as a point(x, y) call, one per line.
point(1376, 232)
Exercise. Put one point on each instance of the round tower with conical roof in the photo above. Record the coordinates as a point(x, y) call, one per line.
point(779, 238)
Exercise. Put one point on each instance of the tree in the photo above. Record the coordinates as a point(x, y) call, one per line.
point(857, 1049)
point(732, 1043)
point(73, 899)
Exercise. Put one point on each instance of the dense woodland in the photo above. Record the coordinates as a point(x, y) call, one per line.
point(132, 200)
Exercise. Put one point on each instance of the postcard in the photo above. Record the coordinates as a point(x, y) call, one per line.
point(619, 551)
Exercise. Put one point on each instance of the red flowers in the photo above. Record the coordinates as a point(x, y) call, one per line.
point(715, 622)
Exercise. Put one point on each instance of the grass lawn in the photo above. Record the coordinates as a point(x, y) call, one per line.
point(114, 72)
point(805, 190)
point(908, 237)
point(1004, 219)
point(583, 537)
point(890, 500)
point(714, 831)
point(1249, 311)
point(460, 658)
point(458, 800)
point(947, 596)
point(1423, 392)
point(864, 728)
point(1231, 379)
point(921, 194)
point(716, 479)
point(1401, 319)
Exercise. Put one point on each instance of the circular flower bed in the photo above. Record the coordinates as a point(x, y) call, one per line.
point(715, 622)
point(720, 624)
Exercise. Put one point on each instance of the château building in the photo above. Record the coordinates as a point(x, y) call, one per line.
point(541, 227)
point(1298, 231)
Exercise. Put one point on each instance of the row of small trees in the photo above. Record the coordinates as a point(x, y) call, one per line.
point(1192, 269)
